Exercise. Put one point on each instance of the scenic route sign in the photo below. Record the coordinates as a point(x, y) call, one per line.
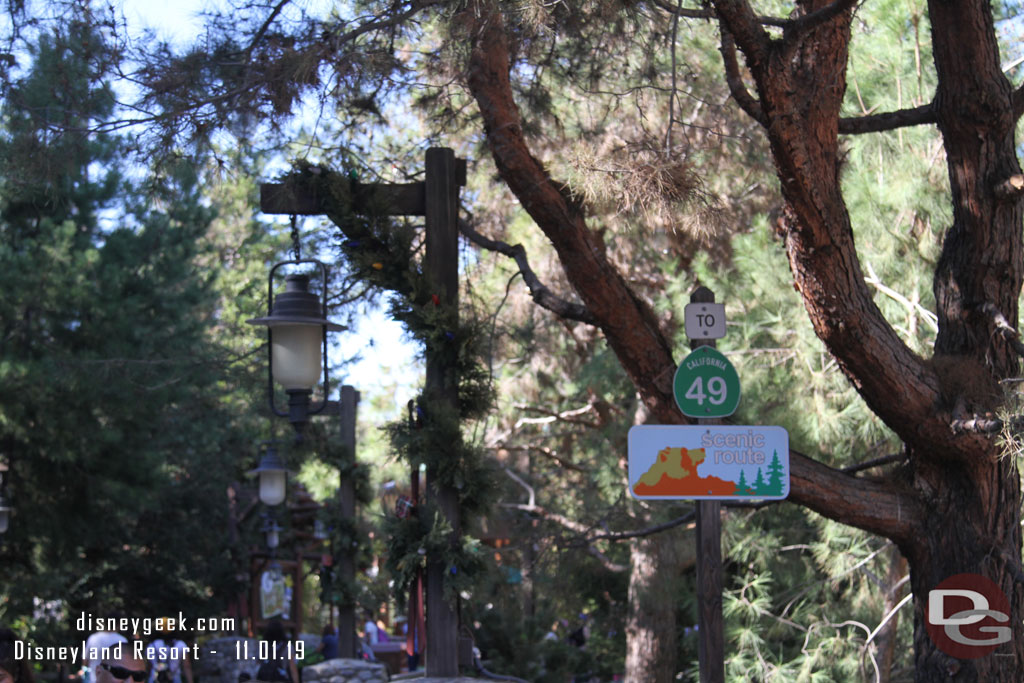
point(706, 384)
point(708, 462)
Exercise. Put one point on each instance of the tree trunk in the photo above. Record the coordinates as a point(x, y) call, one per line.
point(969, 496)
point(886, 641)
point(651, 624)
point(955, 506)
point(974, 528)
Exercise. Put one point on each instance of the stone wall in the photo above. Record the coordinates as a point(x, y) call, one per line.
point(345, 671)
point(218, 663)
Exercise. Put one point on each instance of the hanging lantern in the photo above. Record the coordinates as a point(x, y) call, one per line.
point(273, 477)
point(297, 327)
point(273, 532)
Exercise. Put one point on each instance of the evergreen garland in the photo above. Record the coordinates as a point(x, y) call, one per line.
point(383, 254)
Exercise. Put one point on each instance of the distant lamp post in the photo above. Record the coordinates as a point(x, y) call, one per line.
point(273, 477)
point(5, 514)
point(273, 532)
point(5, 508)
point(388, 492)
point(297, 328)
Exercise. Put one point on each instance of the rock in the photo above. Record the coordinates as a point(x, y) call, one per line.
point(218, 659)
point(345, 671)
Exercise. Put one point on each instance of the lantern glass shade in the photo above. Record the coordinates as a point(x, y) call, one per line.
point(297, 354)
point(272, 487)
point(273, 477)
point(5, 515)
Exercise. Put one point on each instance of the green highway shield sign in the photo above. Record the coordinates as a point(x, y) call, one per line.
point(706, 384)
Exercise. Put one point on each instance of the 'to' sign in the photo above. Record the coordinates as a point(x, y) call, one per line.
point(706, 384)
point(704, 320)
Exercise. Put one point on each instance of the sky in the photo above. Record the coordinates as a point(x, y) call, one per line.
point(386, 359)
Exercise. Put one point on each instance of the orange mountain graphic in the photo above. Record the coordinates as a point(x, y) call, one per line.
point(674, 473)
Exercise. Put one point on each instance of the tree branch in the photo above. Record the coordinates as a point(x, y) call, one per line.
point(734, 80)
point(1017, 101)
point(629, 324)
point(736, 17)
point(648, 531)
point(709, 14)
point(1010, 189)
point(1008, 332)
point(818, 17)
point(978, 425)
point(546, 452)
point(265, 27)
point(875, 123)
point(568, 416)
point(879, 507)
point(544, 297)
point(874, 462)
point(584, 530)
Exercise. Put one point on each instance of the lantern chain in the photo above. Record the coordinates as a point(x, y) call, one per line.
point(296, 246)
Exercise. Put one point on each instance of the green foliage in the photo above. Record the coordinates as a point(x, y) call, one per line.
point(114, 389)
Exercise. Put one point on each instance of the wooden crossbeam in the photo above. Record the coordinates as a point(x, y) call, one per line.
point(408, 199)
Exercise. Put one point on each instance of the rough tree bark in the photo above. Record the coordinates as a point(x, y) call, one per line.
point(970, 496)
point(653, 571)
point(956, 507)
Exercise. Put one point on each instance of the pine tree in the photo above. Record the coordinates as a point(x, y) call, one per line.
point(775, 472)
point(113, 394)
point(760, 489)
point(741, 485)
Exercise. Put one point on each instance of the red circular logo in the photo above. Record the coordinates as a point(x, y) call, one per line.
point(968, 616)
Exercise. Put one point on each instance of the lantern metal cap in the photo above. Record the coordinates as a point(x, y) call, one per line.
point(269, 462)
point(296, 306)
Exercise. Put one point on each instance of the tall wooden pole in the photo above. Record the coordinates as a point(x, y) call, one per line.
point(442, 268)
point(711, 639)
point(437, 198)
point(347, 511)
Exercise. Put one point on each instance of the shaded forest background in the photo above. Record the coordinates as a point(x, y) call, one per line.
point(132, 250)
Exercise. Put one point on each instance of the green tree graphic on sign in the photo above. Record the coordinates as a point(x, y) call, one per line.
point(760, 486)
point(742, 489)
point(775, 472)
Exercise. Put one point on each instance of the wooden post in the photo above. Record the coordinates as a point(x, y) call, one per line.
point(437, 198)
point(347, 511)
point(710, 639)
point(442, 270)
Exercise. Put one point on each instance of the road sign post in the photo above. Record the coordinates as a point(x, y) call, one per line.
point(711, 632)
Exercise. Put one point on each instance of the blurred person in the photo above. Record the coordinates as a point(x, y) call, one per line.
point(98, 641)
point(124, 669)
point(283, 668)
point(12, 670)
point(328, 643)
point(168, 660)
point(371, 634)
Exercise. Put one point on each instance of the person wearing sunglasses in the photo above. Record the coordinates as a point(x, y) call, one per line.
point(96, 643)
point(12, 670)
point(126, 669)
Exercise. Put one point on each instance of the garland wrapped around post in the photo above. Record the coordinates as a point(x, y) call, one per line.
point(382, 253)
